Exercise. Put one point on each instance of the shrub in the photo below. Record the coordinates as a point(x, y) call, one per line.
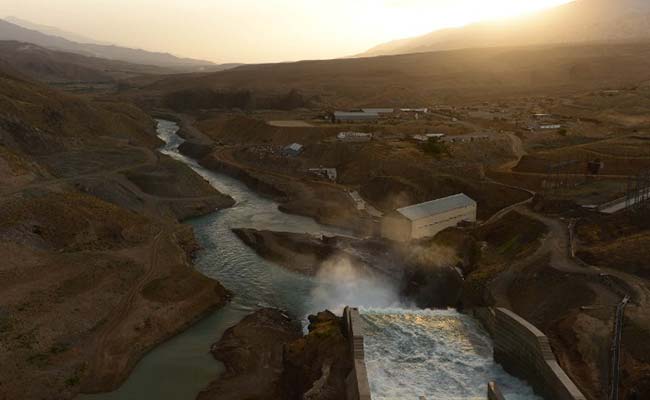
point(435, 147)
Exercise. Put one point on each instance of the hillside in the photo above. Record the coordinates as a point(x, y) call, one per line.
point(52, 66)
point(579, 22)
point(53, 31)
point(9, 31)
point(80, 235)
point(427, 78)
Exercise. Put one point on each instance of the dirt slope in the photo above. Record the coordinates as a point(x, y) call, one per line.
point(97, 269)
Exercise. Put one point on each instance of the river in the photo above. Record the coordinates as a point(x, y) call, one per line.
point(181, 367)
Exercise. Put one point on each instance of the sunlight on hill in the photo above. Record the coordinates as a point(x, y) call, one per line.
point(420, 16)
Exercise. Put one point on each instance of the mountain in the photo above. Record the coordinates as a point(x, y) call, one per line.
point(579, 22)
point(53, 66)
point(418, 80)
point(53, 31)
point(13, 32)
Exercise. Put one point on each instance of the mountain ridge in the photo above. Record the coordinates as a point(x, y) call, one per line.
point(582, 21)
point(53, 31)
point(13, 32)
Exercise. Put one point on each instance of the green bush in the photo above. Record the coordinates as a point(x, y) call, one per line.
point(435, 147)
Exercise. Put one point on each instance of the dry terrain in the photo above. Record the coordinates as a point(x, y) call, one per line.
point(413, 80)
point(97, 268)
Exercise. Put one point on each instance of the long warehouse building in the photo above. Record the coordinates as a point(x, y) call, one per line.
point(428, 219)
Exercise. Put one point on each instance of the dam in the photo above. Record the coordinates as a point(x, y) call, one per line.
point(440, 355)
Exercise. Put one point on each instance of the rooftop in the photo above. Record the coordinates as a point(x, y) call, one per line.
point(355, 114)
point(294, 147)
point(438, 206)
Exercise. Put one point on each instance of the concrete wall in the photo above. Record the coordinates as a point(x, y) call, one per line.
point(358, 387)
point(431, 226)
point(494, 393)
point(400, 229)
point(395, 227)
point(525, 352)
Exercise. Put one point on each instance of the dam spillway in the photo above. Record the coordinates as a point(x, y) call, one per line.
point(438, 355)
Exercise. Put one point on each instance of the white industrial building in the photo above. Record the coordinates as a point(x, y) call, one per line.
point(428, 219)
point(354, 116)
point(428, 136)
point(378, 110)
point(354, 137)
point(550, 127)
point(293, 150)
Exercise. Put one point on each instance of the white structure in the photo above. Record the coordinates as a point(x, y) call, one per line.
point(355, 116)
point(354, 137)
point(378, 110)
point(426, 137)
point(327, 173)
point(428, 219)
point(293, 150)
point(550, 127)
point(466, 138)
point(416, 110)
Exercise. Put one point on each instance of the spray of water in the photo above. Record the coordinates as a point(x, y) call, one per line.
point(341, 282)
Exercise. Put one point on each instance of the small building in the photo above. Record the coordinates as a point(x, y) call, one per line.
point(550, 127)
point(293, 150)
point(429, 136)
point(466, 138)
point(415, 110)
point(325, 173)
point(354, 116)
point(378, 110)
point(428, 219)
point(357, 137)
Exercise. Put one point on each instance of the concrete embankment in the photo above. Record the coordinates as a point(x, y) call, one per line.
point(358, 387)
point(494, 393)
point(524, 351)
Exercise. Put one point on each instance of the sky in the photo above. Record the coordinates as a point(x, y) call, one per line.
point(253, 31)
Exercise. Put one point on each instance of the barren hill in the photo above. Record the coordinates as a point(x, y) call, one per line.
point(9, 31)
point(53, 31)
point(89, 250)
point(409, 80)
point(578, 22)
point(52, 66)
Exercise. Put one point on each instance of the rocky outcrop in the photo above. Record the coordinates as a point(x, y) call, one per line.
point(315, 367)
point(252, 352)
point(196, 149)
point(249, 179)
point(299, 253)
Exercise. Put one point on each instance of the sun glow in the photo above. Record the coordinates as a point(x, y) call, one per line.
point(262, 30)
point(419, 16)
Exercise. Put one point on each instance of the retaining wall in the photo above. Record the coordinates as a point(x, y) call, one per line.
point(358, 387)
point(525, 352)
point(494, 393)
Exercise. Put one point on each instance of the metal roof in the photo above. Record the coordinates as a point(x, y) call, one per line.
point(355, 114)
point(378, 110)
point(294, 147)
point(419, 211)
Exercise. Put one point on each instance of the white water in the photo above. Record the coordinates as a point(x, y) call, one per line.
point(180, 368)
point(441, 355)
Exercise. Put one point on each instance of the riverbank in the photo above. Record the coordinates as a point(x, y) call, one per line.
point(96, 267)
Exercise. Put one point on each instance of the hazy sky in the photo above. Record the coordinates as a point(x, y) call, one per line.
point(260, 30)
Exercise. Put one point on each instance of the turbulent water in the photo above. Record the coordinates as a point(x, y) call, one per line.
point(441, 355)
point(183, 366)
